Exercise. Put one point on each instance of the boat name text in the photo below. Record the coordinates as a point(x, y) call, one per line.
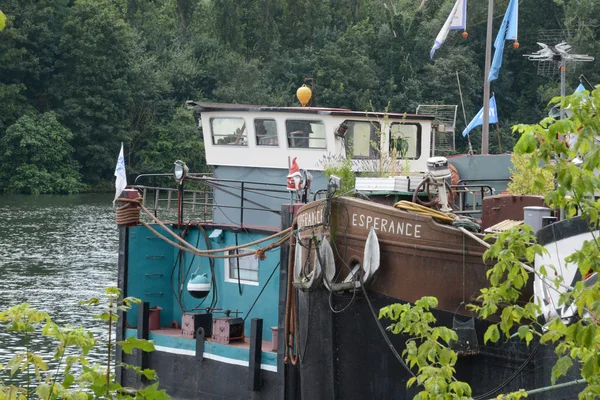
point(366, 221)
point(310, 219)
point(384, 225)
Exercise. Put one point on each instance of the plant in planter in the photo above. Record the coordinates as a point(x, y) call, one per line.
point(521, 182)
point(386, 173)
point(341, 167)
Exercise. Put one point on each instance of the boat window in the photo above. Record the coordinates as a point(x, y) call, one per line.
point(362, 138)
point(248, 268)
point(229, 131)
point(266, 132)
point(306, 134)
point(406, 138)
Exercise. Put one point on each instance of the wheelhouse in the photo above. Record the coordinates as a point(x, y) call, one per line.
point(268, 137)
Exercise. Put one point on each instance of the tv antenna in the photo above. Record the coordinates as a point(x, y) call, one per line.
point(556, 58)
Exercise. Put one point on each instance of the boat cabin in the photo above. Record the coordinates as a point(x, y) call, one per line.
point(268, 137)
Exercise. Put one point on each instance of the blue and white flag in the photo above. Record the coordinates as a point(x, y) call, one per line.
point(121, 181)
point(508, 31)
point(478, 120)
point(580, 88)
point(456, 20)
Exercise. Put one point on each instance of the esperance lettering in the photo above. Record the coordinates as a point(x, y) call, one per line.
point(384, 225)
point(310, 218)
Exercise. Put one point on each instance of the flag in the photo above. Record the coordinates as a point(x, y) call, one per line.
point(508, 31)
point(478, 120)
point(580, 88)
point(456, 20)
point(121, 181)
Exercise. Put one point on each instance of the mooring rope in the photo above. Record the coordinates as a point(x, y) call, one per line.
point(125, 215)
point(292, 345)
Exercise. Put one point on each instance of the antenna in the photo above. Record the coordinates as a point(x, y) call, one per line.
point(552, 59)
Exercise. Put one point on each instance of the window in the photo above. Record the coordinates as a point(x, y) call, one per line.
point(266, 132)
point(229, 131)
point(248, 268)
point(306, 134)
point(406, 138)
point(362, 139)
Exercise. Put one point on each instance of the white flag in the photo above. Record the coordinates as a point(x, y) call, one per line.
point(121, 181)
point(456, 20)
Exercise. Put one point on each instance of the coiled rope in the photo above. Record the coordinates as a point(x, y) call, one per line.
point(126, 216)
point(128, 213)
point(446, 218)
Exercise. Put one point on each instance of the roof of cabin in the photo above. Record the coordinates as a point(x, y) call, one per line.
point(210, 107)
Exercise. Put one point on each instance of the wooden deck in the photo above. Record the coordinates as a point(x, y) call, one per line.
point(267, 346)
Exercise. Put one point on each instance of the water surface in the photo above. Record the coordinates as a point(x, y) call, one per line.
point(54, 252)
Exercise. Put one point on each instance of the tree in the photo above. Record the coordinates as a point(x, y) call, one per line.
point(94, 84)
point(177, 140)
point(37, 157)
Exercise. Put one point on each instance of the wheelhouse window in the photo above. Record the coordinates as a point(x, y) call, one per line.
point(266, 132)
point(362, 139)
point(246, 268)
point(406, 139)
point(229, 131)
point(309, 134)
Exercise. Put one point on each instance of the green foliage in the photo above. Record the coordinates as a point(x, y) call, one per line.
point(177, 140)
point(340, 167)
point(576, 344)
point(111, 76)
point(37, 157)
point(71, 375)
point(428, 349)
point(522, 172)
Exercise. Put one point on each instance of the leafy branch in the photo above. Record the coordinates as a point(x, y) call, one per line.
point(73, 376)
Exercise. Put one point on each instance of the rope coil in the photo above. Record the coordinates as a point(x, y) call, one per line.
point(128, 213)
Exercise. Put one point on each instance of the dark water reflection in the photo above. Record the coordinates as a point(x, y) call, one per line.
point(54, 252)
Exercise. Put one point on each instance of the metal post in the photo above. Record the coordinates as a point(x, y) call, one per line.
point(143, 331)
point(563, 69)
point(242, 206)
point(180, 205)
point(254, 378)
point(485, 133)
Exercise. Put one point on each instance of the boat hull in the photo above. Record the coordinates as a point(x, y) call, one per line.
point(343, 355)
point(184, 377)
point(418, 256)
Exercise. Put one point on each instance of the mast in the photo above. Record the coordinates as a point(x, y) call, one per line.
point(485, 134)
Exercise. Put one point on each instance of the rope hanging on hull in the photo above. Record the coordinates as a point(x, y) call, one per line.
point(125, 215)
point(292, 345)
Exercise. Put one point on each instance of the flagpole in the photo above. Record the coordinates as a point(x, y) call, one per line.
point(485, 135)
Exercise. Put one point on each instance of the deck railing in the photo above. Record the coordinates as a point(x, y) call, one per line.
point(161, 196)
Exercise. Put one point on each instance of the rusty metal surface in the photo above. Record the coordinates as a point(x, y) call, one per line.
point(419, 257)
point(227, 330)
point(501, 207)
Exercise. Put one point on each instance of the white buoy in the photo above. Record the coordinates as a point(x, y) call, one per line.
point(199, 286)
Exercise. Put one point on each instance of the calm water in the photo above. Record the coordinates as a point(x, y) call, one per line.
point(54, 252)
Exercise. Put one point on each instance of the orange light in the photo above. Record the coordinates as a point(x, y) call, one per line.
point(516, 45)
point(304, 94)
point(465, 35)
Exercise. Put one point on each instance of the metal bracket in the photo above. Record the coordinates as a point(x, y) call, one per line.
point(200, 344)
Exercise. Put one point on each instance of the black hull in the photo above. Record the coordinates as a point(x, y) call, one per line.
point(186, 378)
point(345, 357)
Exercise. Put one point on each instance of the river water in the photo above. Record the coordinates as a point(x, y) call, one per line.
point(56, 251)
